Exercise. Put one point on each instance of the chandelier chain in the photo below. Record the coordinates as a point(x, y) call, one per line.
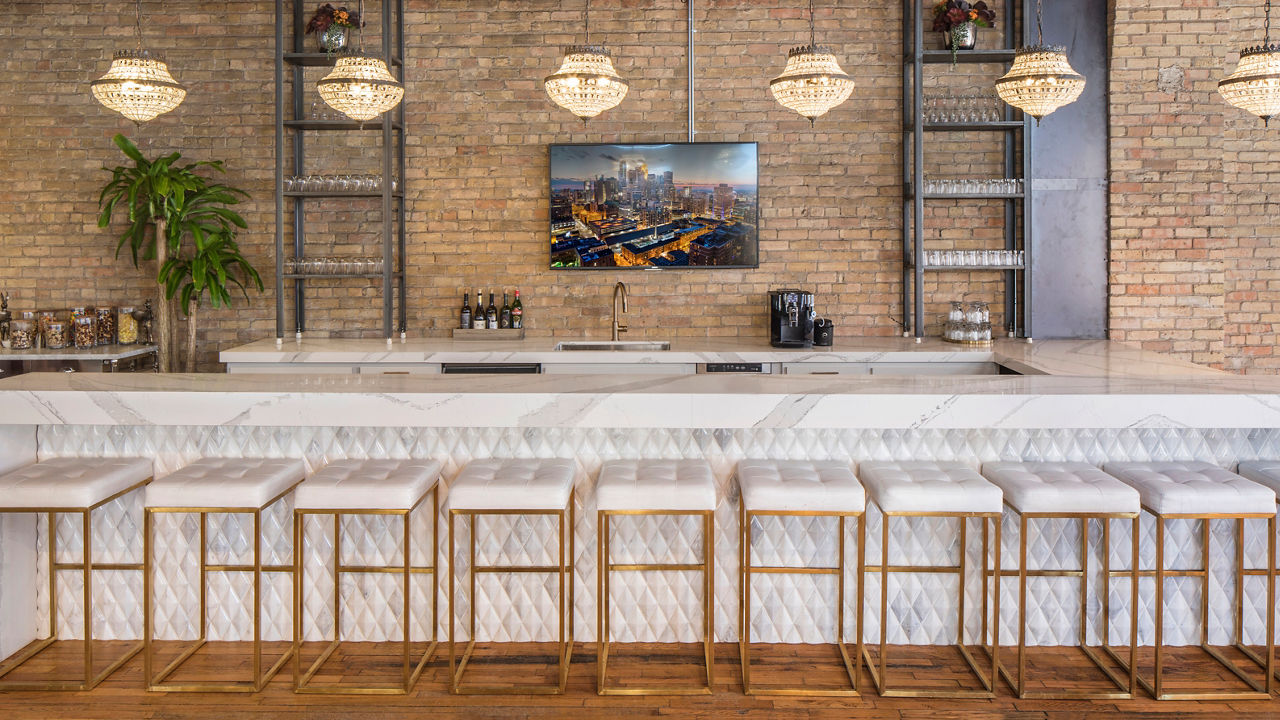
point(1039, 18)
point(137, 20)
point(1266, 25)
point(812, 35)
point(586, 19)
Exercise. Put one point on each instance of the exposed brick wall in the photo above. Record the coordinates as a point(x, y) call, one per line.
point(1192, 224)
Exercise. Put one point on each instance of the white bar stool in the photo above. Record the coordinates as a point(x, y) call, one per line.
point(1264, 472)
point(1200, 491)
point(1072, 491)
point(514, 487)
point(646, 488)
point(79, 486)
point(217, 485)
point(366, 487)
point(949, 490)
point(800, 488)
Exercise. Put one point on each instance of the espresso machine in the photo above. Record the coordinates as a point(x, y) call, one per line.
point(791, 318)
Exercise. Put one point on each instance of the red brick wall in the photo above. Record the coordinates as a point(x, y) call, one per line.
point(1192, 272)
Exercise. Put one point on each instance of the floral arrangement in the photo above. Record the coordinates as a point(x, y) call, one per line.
point(949, 14)
point(327, 16)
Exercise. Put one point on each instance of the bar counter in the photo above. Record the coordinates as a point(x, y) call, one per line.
point(1091, 402)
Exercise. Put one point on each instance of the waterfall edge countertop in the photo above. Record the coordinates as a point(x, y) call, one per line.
point(1091, 399)
point(1053, 357)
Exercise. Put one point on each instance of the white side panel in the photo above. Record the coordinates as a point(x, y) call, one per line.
point(17, 550)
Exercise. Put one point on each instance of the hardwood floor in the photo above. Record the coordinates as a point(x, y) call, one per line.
point(121, 696)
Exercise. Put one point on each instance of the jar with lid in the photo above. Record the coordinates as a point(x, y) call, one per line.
point(106, 324)
point(55, 335)
point(22, 333)
point(126, 326)
point(85, 331)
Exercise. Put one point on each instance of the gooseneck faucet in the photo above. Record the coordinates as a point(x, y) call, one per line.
point(619, 290)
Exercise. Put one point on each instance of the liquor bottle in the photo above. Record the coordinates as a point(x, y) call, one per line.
point(465, 323)
point(477, 316)
point(517, 313)
point(492, 314)
point(504, 315)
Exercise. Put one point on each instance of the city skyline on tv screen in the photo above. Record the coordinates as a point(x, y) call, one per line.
point(673, 205)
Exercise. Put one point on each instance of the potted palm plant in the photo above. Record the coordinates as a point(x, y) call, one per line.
point(166, 203)
point(208, 270)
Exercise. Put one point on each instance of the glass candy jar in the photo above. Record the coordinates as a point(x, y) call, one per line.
point(22, 334)
point(85, 331)
point(126, 326)
point(55, 334)
point(106, 317)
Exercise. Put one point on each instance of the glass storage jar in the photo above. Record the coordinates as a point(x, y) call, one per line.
point(55, 335)
point(106, 324)
point(79, 311)
point(126, 326)
point(85, 331)
point(22, 334)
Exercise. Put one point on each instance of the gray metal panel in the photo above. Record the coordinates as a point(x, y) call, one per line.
point(1069, 276)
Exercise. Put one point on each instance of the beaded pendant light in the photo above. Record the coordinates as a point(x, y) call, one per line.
point(138, 84)
point(586, 83)
point(360, 86)
point(1041, 79)
point(1255, 85)
point(812, 83)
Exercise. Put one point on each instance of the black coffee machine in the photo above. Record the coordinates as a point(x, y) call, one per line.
point(791, 318)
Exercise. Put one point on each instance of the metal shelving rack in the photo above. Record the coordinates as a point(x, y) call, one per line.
point(291, 125)
point(1014, 131)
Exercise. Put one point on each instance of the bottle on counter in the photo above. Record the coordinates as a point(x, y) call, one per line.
point(491, 315)
point(504, 315)
point(465, 315)
point(477, 315)
point(517, 313)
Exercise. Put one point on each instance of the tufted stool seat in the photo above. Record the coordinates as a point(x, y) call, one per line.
point(669, 488)
point(1071, 491)
point(949, 490)
point(1205, 492)
point(244, 486)
point(70, 486)
point(785, 489)
point(389, 488)
point(512, 486)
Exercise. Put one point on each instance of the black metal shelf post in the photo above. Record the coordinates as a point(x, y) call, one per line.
point(1014, 131)
point(292, 124)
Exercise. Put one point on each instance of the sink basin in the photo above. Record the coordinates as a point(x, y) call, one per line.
point(624, 345)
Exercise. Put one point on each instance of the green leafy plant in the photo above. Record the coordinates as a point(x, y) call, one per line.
point(165, 199)
point(210, 270)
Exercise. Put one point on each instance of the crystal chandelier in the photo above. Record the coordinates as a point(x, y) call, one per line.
point(138, 84)
point(586, 83)
point(1041, 79)
point(360, 86)
point(812, 83)
point(1255, 85)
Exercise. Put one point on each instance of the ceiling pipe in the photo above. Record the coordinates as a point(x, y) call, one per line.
point(689, 22)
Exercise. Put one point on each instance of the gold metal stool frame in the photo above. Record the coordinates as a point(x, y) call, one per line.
point(564, 569)
point(1257, 691)
point(410, 671)
point(1124, 688)
point(853, 667)
point(86, 568)
point(1243, 572)
point(880, 676)
point(604, 602)
point(155, 682)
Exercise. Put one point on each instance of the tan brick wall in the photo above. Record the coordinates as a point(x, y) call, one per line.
point(1192, 270)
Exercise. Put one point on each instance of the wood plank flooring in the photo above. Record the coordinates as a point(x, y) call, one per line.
point(121, 696)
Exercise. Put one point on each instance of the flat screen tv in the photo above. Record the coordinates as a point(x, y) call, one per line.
point(671, 205)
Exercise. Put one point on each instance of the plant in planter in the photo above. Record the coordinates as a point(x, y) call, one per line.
point(168, 201)
point(332, 26)
point(959, 20)
point(209, 270)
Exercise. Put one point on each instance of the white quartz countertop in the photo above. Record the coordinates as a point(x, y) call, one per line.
point(101, 352)
point(1054, 357)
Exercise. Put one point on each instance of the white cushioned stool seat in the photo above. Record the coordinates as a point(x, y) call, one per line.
point(1263, 472)
point(367, 484)
point(800, 486)
point(1193, 488)
point(71, 482)
point(676, 485)
point(225, 483)
point(1061, 487)
point(929, 487)
point(513, 484)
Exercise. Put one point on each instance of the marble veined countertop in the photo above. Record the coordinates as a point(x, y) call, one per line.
point(1054, 357)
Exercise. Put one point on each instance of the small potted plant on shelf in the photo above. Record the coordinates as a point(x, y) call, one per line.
point(332, 25)
point(958, 21)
